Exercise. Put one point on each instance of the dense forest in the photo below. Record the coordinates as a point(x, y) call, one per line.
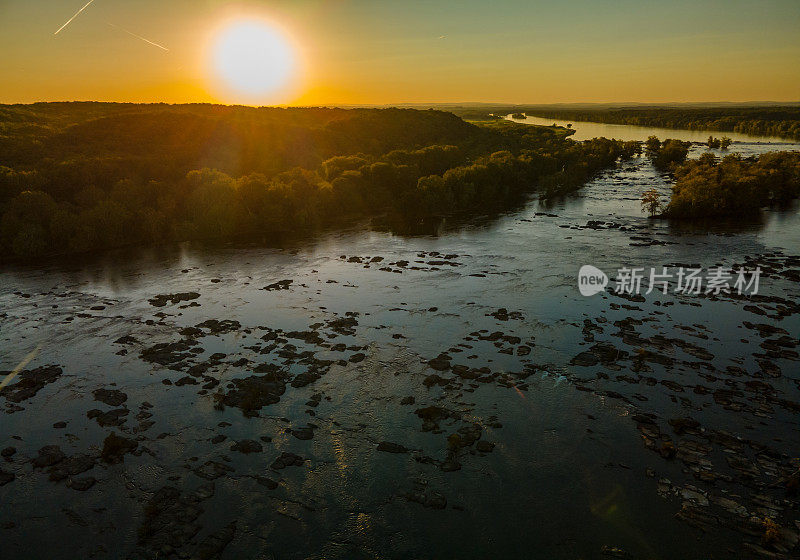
point(777, 121)
point(734, 186)
point(78, 177)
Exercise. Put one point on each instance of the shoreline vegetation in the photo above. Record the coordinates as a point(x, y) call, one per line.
point(712, 187)
point(82, 177)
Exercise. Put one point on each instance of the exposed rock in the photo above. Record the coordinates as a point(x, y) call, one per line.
point(287, 460)
point(252, 393)
point(247, 446)
point(390, 447)
point(29, 382)
point(115, 447)
point(71, 466)
point(111, 397)
point(162, 299)
point(6, 477)
point(428, 498)
point(49, 455)
point(279, 285)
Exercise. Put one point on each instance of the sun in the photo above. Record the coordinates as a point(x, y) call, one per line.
point(254, 61)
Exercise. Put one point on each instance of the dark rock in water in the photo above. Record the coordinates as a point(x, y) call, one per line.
point(450, 465)
point(440, 363)
point(8, 452)
point(434, 379)
point(186, 380)
point(212, 546)
point(252, 393)
point(114, 417)
point(345, 325)
point(170, 523)
point(29, 382)
point(220, 327)
point(408, 400)
point(59, 425)
point(162, 299)
point(429, 499)
point(682, 425)
point(484, 446)
point(304, 379)
point(127, 339)
point(431, 416)
point(71, 466)
point(111, 397)
point(49, 455)
point(81, 484)
point(305, 434)
point(268, 482)
point(247, 446)
point(6, 477)
point(309, 337)
point(167, 353)
point(280, 285)
point(584, 359)
point(115, 447)
point(211, 470)
point(287, 460)
point(769, 368)
point(356, 358)
point(390, 447)
point(218, 439)
point(503, 314)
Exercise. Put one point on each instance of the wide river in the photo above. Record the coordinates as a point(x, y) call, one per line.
point(447, 396)
point(587, 130)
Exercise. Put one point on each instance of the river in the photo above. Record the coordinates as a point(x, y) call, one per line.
point(587, 130)
point(449, 396)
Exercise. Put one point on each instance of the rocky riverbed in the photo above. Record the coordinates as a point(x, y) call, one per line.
point(363, 395)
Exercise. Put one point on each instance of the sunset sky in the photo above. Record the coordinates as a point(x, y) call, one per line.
point(362, 52)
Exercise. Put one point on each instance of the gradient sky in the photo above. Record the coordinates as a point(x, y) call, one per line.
point(372, 51)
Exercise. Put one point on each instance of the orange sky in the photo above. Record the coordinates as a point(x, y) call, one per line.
point(360, 52)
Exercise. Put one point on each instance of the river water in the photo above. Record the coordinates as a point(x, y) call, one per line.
point(588, 130)
point(576, 469)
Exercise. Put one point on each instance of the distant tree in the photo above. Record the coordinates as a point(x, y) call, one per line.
point(652, 144)
point(725, 142)
point(651, 202)
point(713, 142)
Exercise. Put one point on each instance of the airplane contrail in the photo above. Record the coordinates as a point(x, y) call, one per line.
point(73, 17)
point(132, 34)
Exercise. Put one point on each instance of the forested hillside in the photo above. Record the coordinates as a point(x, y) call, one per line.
point(87, 176)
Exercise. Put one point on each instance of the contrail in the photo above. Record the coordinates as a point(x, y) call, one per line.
point(132, 34)
point(73, 17)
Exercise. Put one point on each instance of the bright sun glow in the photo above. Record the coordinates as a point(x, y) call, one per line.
point(254, 60)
